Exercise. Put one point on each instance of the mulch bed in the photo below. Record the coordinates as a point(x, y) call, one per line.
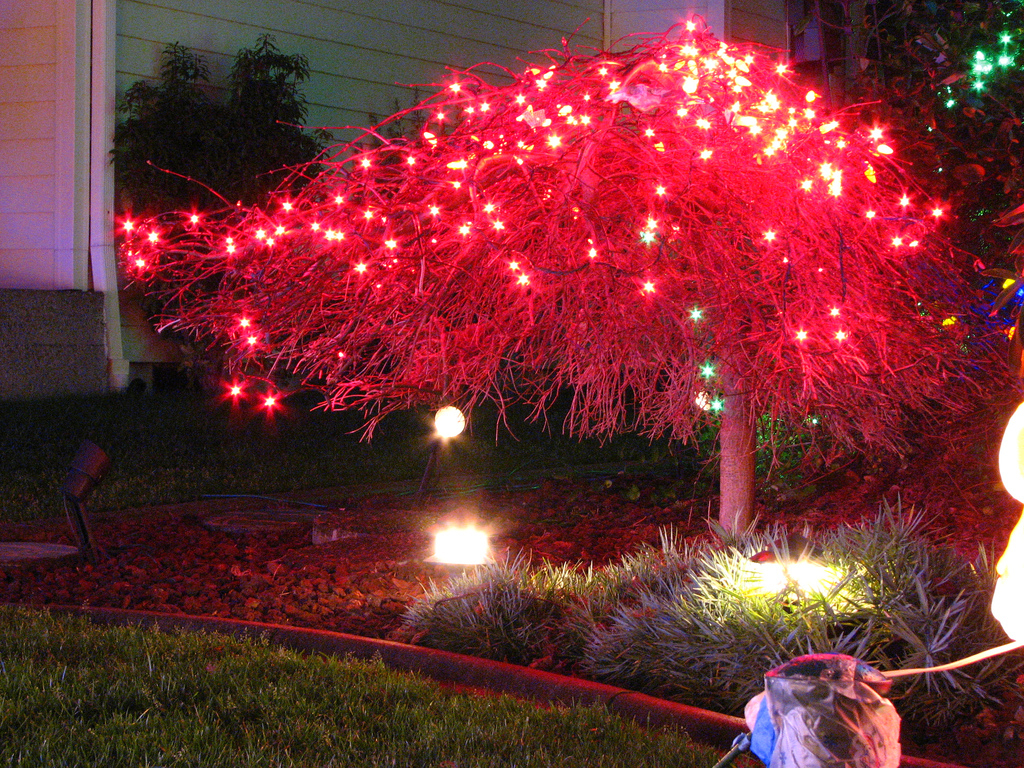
point(255, 559)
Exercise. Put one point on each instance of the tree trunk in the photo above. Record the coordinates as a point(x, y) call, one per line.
point(738, 442)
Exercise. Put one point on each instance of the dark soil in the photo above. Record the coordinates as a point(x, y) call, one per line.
point(254, 559)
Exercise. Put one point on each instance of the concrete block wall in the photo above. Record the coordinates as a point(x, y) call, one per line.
point(51, 343)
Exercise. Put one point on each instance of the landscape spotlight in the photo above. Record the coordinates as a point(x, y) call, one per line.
point(792, 564)
point(461, 546)
point(88, 468)
point(449, 422)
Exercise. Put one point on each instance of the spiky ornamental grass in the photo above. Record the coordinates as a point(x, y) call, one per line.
point(692, 623)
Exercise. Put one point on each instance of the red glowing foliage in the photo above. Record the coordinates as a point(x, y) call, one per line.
point(659, 230)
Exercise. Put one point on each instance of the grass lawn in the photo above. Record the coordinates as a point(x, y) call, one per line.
point(169, 447)
point(76, 695)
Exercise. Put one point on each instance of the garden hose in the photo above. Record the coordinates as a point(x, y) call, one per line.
point(741, 744)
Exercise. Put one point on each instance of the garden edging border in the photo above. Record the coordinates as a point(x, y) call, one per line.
point(703, 726)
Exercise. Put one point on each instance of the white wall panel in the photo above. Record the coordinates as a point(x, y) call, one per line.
point(26, 194)
point(27, 45)
point(22, 268)
point(27, 120)
point(29, 82)
point(653, 17)
point(26, 231)
point(26, 157)
point(759, 21)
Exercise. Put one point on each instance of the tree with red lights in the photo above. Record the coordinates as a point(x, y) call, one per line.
point(673, 233)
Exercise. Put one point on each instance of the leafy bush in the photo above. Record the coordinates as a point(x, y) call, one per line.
point(696, 623)
point(178, 148)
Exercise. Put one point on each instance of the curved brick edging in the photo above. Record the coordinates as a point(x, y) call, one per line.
point(705, 727)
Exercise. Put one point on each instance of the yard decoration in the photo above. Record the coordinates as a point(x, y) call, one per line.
point(675, 233)
point(1008, 599)
point(1008, 594)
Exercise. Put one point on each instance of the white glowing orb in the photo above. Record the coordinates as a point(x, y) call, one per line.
point(449, 421)
point(1008, 599)
point(461, 546)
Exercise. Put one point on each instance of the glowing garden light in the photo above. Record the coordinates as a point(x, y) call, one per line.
point(795, 565)
point(467, 545)
point(449, 422)
point(802, 576)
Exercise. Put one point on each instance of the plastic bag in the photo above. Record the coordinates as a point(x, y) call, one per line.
point(826, 710)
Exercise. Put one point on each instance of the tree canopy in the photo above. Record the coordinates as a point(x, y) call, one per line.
point(676, 233)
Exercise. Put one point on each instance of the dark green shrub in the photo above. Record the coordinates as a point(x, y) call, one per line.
point(179, 148)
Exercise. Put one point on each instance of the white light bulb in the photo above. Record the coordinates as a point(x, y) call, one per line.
point(461, 546)
point(449, 421)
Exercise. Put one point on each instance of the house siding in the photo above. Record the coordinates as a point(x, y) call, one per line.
point(759, 21)
point(366, 58)
point(28, 103)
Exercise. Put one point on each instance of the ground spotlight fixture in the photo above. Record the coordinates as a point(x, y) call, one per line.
point(449, 422)
point(792, 564)
point(461, 546)
point(88, 468)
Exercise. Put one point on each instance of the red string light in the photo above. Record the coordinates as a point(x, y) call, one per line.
point(500, 252)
